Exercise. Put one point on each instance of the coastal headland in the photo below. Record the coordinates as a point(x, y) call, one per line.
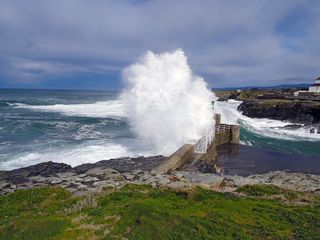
point(283, 104)
point(295, 111)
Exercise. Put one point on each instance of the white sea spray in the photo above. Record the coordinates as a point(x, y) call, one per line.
point(167, 105)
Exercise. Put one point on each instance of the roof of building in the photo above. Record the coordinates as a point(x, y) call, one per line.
point(316, 85)
point(318, 78)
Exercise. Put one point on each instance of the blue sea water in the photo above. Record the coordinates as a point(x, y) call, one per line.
point(271, 134)
point(77, 127)
point(74, 127)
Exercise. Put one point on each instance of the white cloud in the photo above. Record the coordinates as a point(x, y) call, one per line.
point(229, 42)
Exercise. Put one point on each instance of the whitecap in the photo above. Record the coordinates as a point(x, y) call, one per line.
point(262, 126)
point(74, 155)
point(104, 109)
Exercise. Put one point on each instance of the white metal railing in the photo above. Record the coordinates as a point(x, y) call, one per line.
point(222, 128)
point(202, 145)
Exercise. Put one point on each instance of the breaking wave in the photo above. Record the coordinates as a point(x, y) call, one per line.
point(166, 103)
point(74, 155)
point(105, 109)
point(263, 126)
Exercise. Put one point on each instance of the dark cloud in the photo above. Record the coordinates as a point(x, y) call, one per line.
point(244, 42)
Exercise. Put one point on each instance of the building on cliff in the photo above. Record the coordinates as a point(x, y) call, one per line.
point(315, 88)
point(312, 94)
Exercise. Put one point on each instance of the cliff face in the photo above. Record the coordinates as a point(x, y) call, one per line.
point(307, 112)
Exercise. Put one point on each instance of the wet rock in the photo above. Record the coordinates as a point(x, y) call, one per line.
point(45, 169)
point(123, 164)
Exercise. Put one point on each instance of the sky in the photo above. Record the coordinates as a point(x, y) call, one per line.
point(85, 44)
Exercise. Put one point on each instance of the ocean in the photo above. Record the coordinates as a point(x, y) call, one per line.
point(68, 126)
point(76, 127)
point(270, 134)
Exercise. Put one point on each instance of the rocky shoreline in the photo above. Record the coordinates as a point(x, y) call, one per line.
point(301, 112)
point(114, 174)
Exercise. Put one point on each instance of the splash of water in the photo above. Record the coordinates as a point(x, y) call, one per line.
point(262, 126)
point(166, 104)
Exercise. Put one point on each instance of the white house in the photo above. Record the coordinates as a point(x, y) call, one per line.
point(315, 88)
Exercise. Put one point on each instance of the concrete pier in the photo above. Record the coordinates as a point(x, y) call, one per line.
point(186, 155)
point(182, 156)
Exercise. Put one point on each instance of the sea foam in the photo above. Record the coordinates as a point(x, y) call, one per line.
point(262, 126)
point(167, 105)
point(103, 109)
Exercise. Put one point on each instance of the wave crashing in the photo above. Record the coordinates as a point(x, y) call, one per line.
point(167, 105)
point(262, 126)
point(103, 109)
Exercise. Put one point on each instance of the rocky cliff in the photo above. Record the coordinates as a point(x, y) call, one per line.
point(306, 112)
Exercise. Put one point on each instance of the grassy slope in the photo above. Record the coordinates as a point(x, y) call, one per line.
point(141, 212)
point(244, 95)
point(285, 102)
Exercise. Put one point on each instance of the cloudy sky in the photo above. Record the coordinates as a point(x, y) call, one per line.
point(86, 43)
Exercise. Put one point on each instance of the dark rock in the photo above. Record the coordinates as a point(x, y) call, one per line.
point(123, 164)
point(205, 166)
point(45, 169)
point(293, 126)
point(306, 112)
point(199, 166)
point(17, 179)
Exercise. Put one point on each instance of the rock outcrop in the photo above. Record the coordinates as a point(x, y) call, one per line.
point(97, 177)
point(305, 112)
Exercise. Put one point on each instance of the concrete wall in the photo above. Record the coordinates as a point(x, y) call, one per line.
point(235, 134)
point(223, 134)
point(210, 155)
point(177, 159)
point(222, 138)
point(217, 118)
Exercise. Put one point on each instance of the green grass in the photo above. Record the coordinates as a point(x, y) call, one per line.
point(261, 190)
point(284, 102)
point(243, 95)
point(141, 212)
point(251, 94)
point(222, 94)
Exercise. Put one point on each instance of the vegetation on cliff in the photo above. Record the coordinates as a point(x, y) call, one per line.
point(241, 96)
point(143, 212)
point(260, 103)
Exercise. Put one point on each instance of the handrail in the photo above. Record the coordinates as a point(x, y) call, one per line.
point(202, 145)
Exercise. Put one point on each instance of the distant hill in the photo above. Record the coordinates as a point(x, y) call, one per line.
point(301, 85)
